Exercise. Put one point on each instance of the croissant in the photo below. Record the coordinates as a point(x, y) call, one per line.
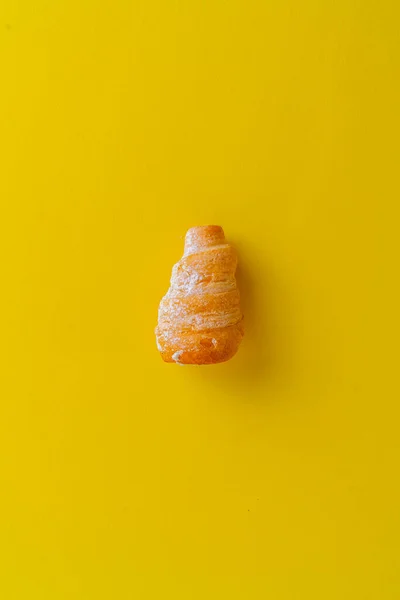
point(199, 319)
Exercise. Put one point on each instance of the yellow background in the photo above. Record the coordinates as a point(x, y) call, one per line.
point(275, 475)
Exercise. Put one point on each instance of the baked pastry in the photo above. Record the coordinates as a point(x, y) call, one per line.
point(199, 319)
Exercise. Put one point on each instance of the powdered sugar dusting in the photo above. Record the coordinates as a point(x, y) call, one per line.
point(206, 273)
point(176, 356)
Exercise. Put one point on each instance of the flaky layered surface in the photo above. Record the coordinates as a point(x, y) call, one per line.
point(200, 320)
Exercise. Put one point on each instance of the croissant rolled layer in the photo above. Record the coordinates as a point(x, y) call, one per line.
point(200, 319)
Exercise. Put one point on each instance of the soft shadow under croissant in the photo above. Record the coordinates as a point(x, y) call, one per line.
point(199, 319)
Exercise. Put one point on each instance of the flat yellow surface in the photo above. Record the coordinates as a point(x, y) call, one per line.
point(276, 475)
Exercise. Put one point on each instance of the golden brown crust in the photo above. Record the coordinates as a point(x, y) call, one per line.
point(200, 320)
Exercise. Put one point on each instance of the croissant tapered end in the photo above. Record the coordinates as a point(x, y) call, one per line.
point(199, 319)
